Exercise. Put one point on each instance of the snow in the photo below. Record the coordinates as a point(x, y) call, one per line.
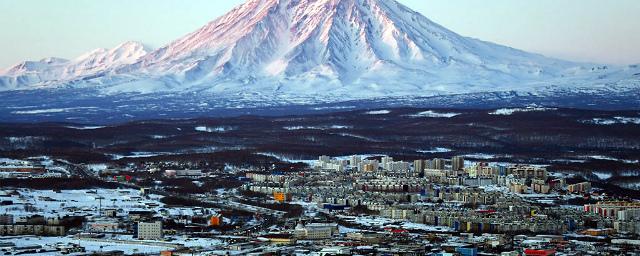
point(322, 51)
point(85, 127)
point(634, 173)
point(608, 158)
point(213, 129)
point(345, 230)
point(603, 175)
point(435, 150)
point(377, 221)
point(333, 127)
point(433, 114)
point(480, 156)
point(378, 112)
point(90, 246)
point(12, 161)
point(50, 110)
point(287, 159)
point(97, 167)
point(73, 202)
point(612, 121)
point(511, 111)
point(141, 155)
point(55, 70)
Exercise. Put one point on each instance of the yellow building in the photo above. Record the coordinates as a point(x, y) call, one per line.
point(280, 239)
point(282, 196)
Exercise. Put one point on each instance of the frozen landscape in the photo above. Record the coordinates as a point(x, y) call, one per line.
point(320, 127)
point(269, 53)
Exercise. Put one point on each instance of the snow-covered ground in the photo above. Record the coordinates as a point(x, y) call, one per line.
point(484, 156)
point(511, 111)
point(378, 112)
point(287, 159)
point(612, 121)
point(141, 155)
point(90, 246)
point(435, 150)
point(603, 175)
point(377, 221)
point(608, 158)
point(203, 128)
point(331, 127)
point(51, 110)
point(80, 202)
point(419, 59)
point(125, 243)
point(85, 127)
point(434, 114)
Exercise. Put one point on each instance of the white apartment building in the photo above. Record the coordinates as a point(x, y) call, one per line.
point(149, 230)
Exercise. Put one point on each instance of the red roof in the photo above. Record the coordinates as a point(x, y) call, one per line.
point(537, 252)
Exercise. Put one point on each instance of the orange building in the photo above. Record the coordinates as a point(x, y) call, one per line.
point(215, 220)
point(282, 197)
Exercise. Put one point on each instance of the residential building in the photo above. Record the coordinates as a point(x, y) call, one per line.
point(149, 230)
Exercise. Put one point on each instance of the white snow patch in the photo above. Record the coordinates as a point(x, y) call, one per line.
point(49, 110)
point(97, 167)
point(433, 114)
point(213, 129)
point(276, 67)
point(90, 246)
point(603, 175)
point(480, 156)
point(85, 127)
point(378, 112)
point(335, 127)
point(435, 150)
point(612, 121)
point(511, 111)
point(608, 158)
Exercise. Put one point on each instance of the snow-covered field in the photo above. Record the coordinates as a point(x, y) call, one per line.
point(331, 127)
point(51, 110)
point(603, 175)
point(511, 111)
point(435, 150)
point(377, 221)
point(434, 114)
point(203, 128)
point(378, 112)
point(81, 202)
point(85, 127)
point(125, 243)
point(608, 158)
point(484, 156)
point(90, 246)
point(612, 121)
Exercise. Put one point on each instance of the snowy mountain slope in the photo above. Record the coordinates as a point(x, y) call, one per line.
point(53, 71)
point(310, 51)
point(358, 43)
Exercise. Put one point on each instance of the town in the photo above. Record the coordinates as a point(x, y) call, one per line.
point(363, 205)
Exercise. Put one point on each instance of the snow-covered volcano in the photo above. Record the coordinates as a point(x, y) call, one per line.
point(325, 50)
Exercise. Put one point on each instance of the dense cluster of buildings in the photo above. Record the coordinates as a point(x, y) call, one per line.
point(350, 205)
point(460, 197)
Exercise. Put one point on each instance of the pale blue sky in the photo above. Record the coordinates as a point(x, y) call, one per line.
point(604, 31)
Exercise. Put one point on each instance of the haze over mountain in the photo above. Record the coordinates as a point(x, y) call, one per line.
point(279, 52)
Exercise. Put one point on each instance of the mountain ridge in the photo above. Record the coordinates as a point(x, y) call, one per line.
point(323, 51)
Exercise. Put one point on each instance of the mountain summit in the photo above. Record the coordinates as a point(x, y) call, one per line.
point(310, 51)
point(368, 45)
